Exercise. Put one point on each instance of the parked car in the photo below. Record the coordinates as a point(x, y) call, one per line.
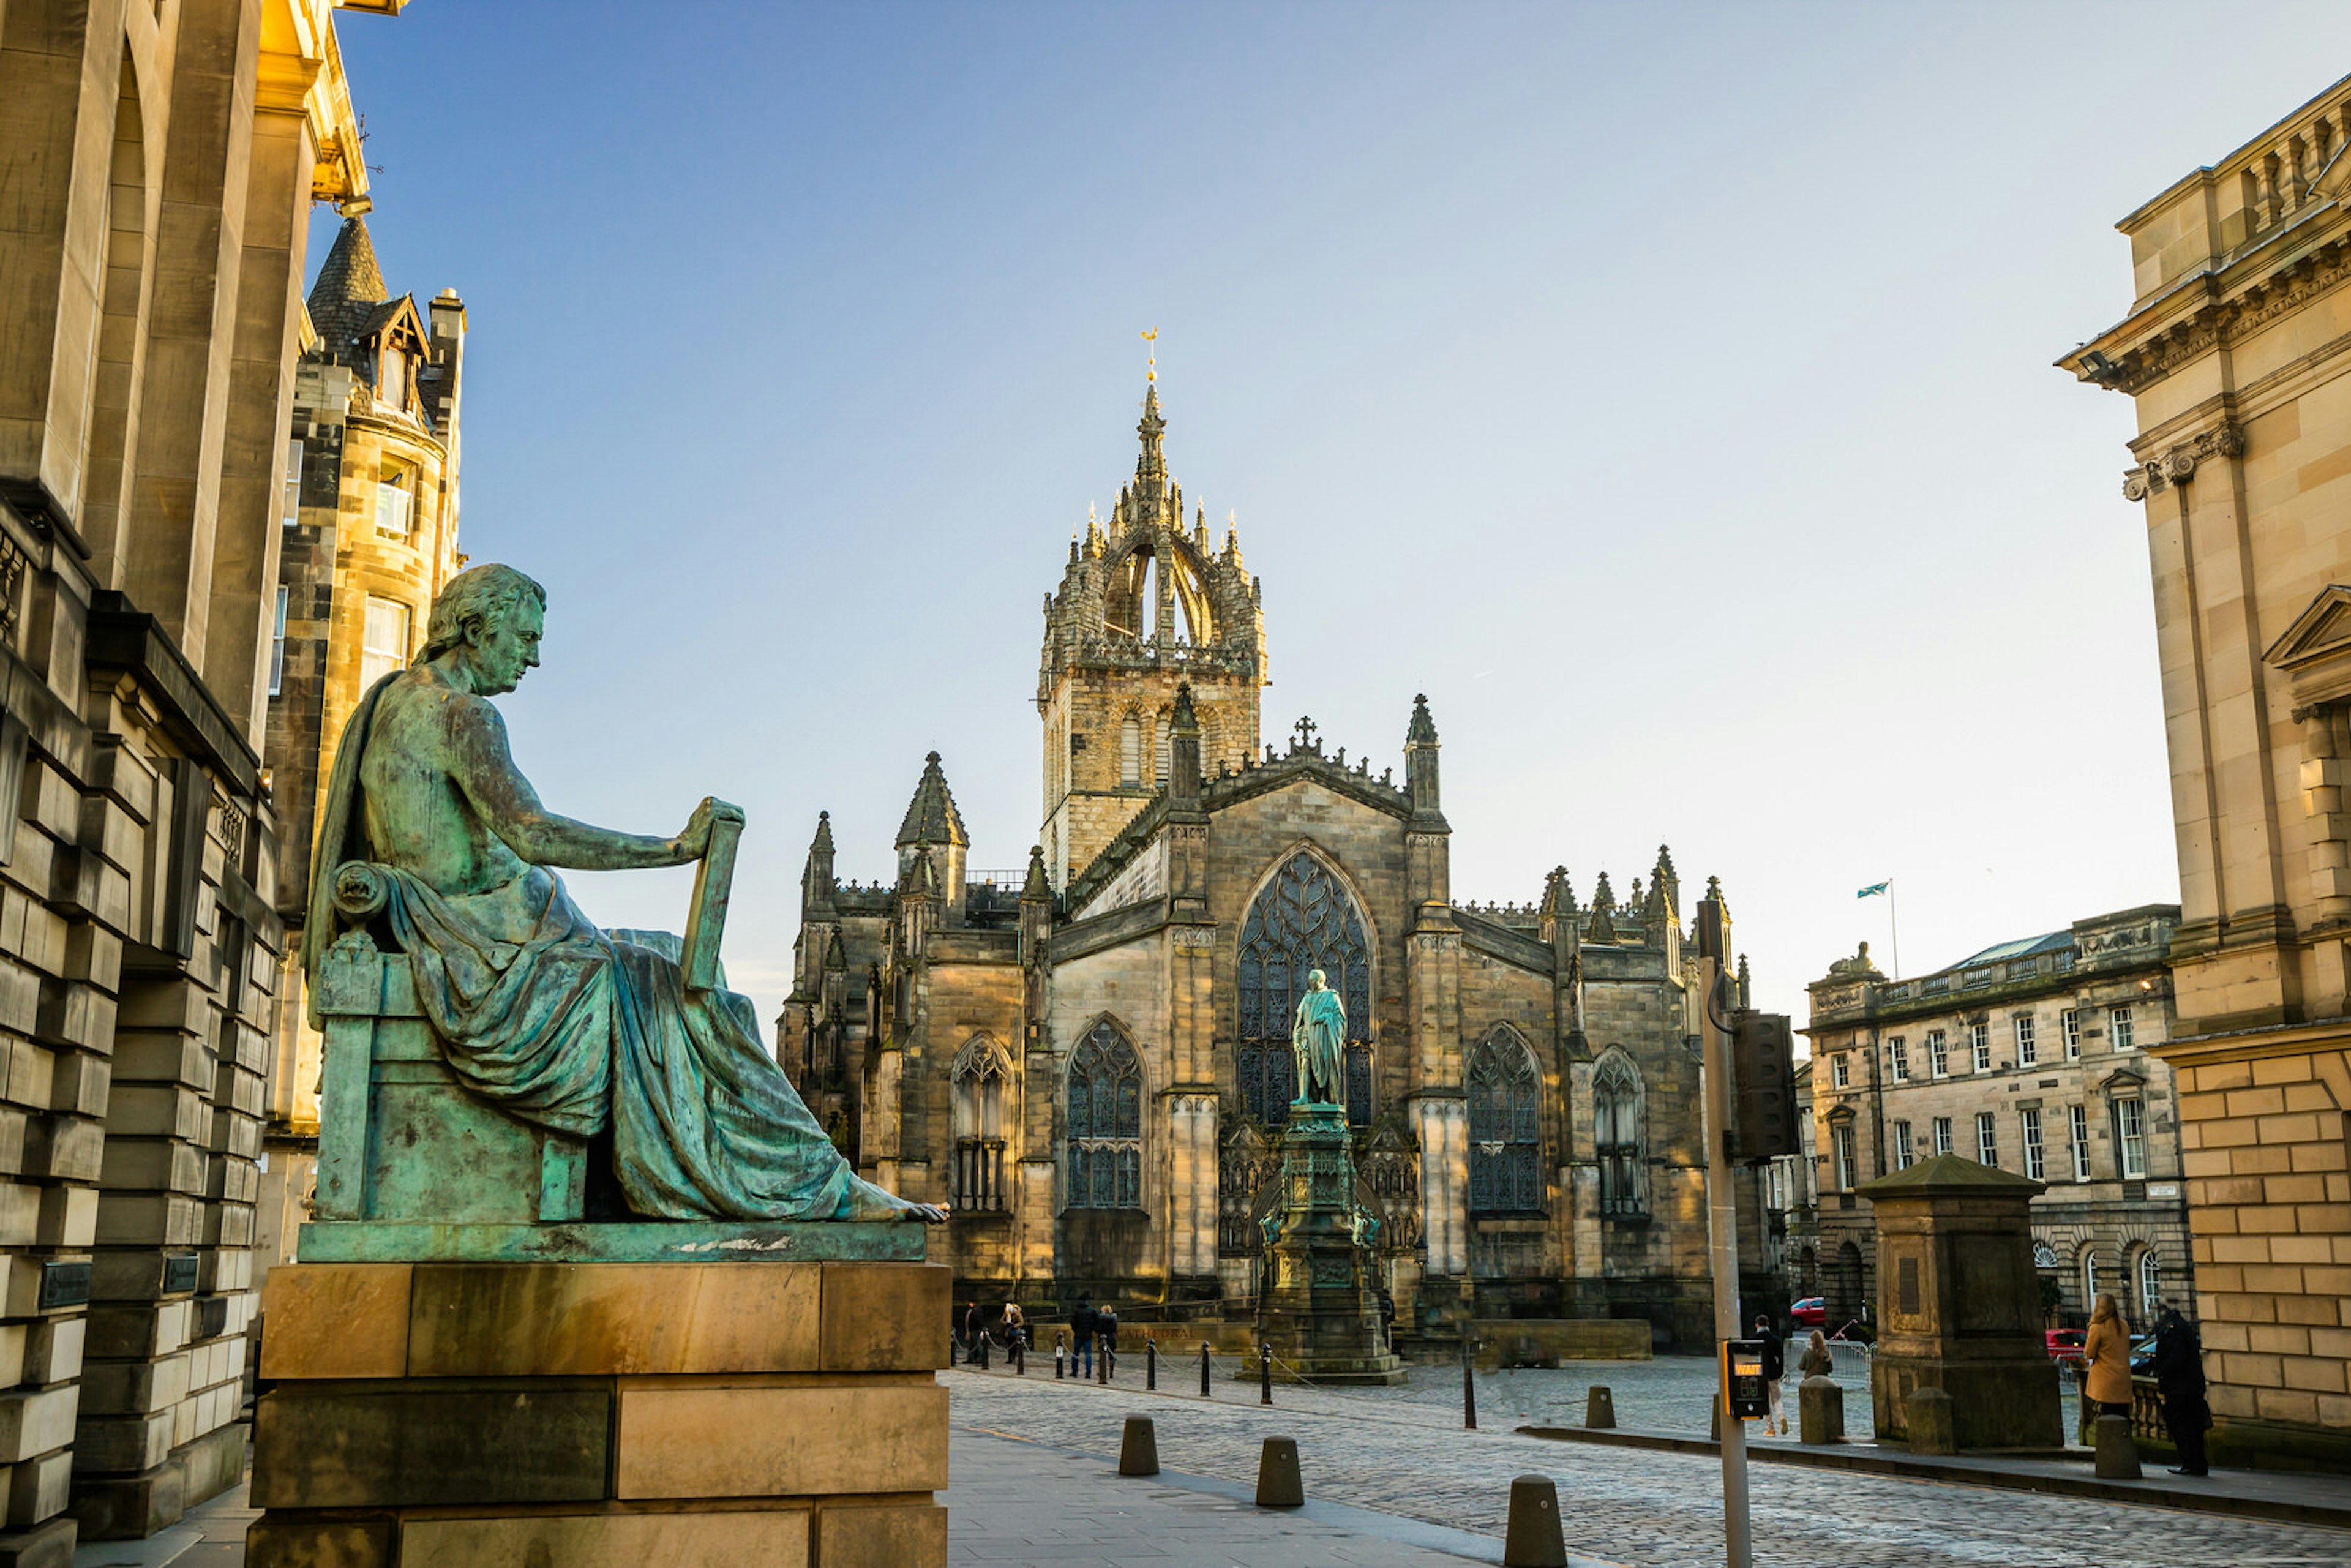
point(1811, 1313)
point(2064, 1344)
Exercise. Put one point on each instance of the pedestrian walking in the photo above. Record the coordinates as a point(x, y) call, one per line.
point(2106, 1352)
point(2179, 1378)
point(1817, 1361)
point(1083, 1322)
point(1775, 1367)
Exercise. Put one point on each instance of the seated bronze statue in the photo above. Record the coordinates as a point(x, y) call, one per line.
point(578, 1030)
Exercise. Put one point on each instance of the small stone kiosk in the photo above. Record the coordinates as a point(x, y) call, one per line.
point(1958, 1305)
point(489, 1352)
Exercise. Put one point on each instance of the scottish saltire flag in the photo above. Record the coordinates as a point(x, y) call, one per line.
point(1874, 888)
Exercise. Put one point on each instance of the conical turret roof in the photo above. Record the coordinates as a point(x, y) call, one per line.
point(931, 816)
point(349, 289)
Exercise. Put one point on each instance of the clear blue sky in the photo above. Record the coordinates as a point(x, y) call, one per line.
point(1664, 391)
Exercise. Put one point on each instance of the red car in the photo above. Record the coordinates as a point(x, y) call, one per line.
point(2064, 1344)
point(1813, 1311)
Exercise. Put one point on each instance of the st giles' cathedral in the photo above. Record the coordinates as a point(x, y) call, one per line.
point(1087, 1063)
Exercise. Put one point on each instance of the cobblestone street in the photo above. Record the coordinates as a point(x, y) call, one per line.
point(1409, 1456)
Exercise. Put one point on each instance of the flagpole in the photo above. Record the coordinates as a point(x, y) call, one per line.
point(1894, 921)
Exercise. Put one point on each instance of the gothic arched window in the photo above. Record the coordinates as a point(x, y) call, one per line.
point(978, 1083)
point(1103, 1151)
point(1617, 1133)
point(1505, 1127)
point(1130, 750)
point(1304, 920)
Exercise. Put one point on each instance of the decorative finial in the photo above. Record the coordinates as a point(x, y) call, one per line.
point(1152, 338)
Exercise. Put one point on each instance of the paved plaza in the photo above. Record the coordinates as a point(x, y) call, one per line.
point(1408, 1457)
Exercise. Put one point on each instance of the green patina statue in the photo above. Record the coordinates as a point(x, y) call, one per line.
point(1318, 1040)
point(564, 1026)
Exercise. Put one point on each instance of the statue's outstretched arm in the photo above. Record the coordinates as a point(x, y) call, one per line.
point(485, 768)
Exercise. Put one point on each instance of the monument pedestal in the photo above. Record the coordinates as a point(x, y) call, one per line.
point(1321, 1309)
point(733, 1409)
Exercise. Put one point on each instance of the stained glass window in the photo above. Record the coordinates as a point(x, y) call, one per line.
point(1302, 921)
point(1617, 1133)
point(1104, 1147)
point(1505, 1128)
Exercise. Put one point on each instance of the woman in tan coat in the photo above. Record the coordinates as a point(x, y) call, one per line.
point(2105, 1353)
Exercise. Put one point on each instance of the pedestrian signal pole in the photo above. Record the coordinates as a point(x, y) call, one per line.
point(1722, 1217)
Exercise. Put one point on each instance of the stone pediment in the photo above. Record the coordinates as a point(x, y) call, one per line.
point(2314, 652)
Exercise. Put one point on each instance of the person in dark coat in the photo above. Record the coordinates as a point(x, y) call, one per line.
point(1083, 1321)
point(971, 1331)
point(1775, 1367)
point(2179, 1379)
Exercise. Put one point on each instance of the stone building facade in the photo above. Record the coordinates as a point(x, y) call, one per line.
point(157, 166)
point(1088, 1060)
point(2232, 353)
point(2037, 1057)
point(369, 515)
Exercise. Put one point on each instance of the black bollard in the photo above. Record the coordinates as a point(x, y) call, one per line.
point(1102, 1363)
point(1060, 1355)
point(1265, 1375)
point(1150, 1364)
point(1468, 1385)
point(1020, 1354)
point(983, 1352)
point(1204, 1371)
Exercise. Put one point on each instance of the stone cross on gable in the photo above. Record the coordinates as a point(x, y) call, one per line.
point(1305, 728)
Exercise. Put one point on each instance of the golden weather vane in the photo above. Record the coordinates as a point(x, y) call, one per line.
point(1152, 338)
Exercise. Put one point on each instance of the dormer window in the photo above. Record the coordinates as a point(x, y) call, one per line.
point(391, 377)
point(395, 501)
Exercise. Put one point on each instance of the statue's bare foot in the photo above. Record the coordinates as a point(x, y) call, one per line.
point(866, 1201)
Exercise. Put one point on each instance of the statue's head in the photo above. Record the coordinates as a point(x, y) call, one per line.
point(492, 617)
point(1313, 979)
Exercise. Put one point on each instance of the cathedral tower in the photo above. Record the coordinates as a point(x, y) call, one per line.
point(1144, 606)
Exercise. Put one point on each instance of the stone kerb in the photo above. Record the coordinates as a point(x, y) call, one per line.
point(1958, 1305)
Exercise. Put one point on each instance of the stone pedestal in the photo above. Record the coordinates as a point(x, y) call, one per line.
point(1321, 1312)
point(1820, 1411)
point(767, 1399)
point(1958, 1305)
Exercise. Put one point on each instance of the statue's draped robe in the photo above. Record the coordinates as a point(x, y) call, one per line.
point(1318, 1038)
point(576, 1030)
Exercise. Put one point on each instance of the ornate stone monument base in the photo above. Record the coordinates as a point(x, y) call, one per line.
point(1321, 1309)
point(671, 1415)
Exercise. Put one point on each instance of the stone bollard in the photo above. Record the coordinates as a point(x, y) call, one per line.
point(1534, 1539)
point(2118, 1450)
point(1599, 1408)
point(1820, 1411)
point(1138, 1449)
point(1277, 1484)
point(1933, 1430)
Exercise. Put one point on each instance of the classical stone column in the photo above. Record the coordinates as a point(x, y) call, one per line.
point(260, 407)
point(166, 564)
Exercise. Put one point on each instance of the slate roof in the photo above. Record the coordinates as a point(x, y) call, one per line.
point(931, 816)
point(349, 294)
